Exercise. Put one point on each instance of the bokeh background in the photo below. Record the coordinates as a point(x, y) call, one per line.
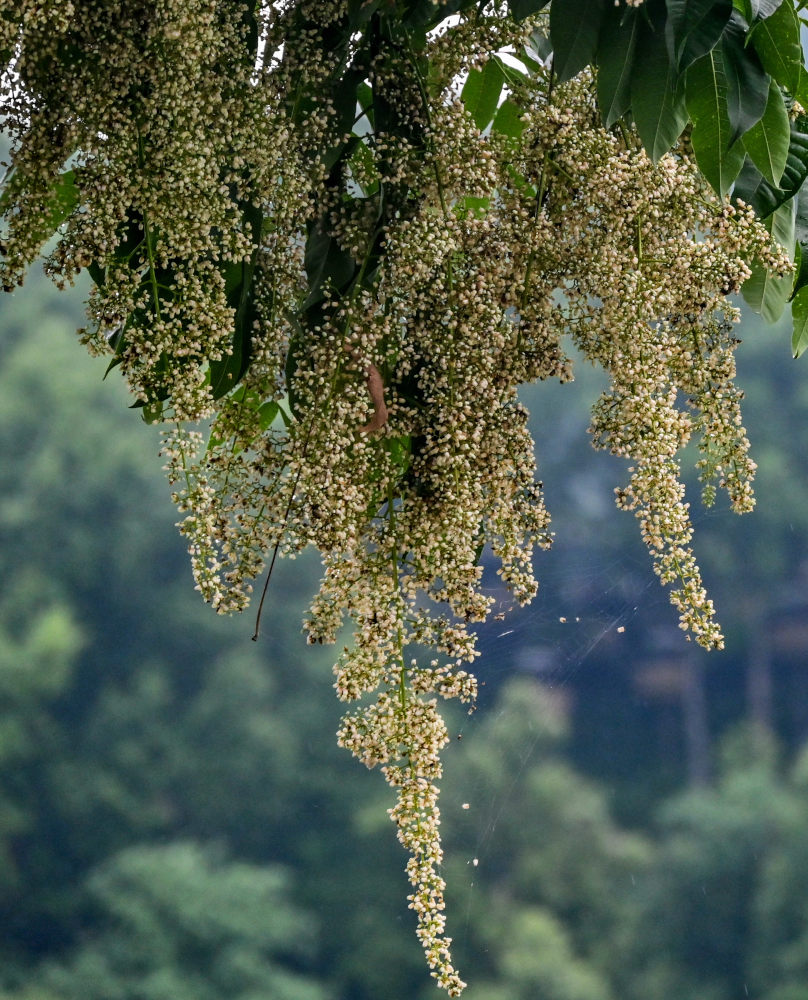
point(625, 817)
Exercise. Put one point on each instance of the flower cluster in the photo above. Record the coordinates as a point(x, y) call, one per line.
point(353, 328)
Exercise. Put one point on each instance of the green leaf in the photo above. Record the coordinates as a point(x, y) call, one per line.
point(765, 8)
point(777, 42)
point(767, 142)
point(756, 191)
point(801, 93)
point(520, 9)
point(508, 120)
point(62, 199)
point(801, 222)
point(361, 11)
point(151, 412)
point(481, 92)
point(747, 81)
point(618, 41)
point(800, 266)
point(754, 10)
point(239, 287)
point(327, 264)
point(537, 42)
point(475, 207)
point(344, 96)
point(574, 32)
point(658, 106)
point(766, 293)
point(694, 28)
point(799, 315)
point(399, 450)
point(267, 412)
point(706, 96)
point(513, 76)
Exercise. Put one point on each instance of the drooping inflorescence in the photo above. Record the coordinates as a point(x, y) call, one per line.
point(330, 302)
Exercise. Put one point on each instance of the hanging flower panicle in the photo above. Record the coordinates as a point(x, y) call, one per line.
point(352, 331)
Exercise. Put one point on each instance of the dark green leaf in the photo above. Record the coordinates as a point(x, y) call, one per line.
point(801, 222)
point(293, 360)
point(226, 373)
point(481, 92)
point(756, 191)
point(618, 40)
point(800, 267)
point(361, 11)
point(344, 97)
point(426, 14)
point(767, 142)
point(799, 314)
point(766, 293)
point(520, 9)
point(777, 42)
point(706, 95)
point(747, 81)
point(694, 28)
point(657, 103)
point(97, 273)
point(327, 264)
point(574, 32)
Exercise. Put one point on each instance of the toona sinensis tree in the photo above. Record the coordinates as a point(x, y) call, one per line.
point(329, 239)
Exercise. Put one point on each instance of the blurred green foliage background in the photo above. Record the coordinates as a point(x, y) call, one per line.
point(624, 817)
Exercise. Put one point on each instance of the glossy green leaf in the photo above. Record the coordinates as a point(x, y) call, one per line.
point(799, 315)
point(574, 31)
point(658, 106)
point(618, 42)
point(766, 293)
point(481, 92)
point(694, 28)
point(756, 191)
point(706, 96)
point(767, 142)
point(747, 81)
point(776, 40)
